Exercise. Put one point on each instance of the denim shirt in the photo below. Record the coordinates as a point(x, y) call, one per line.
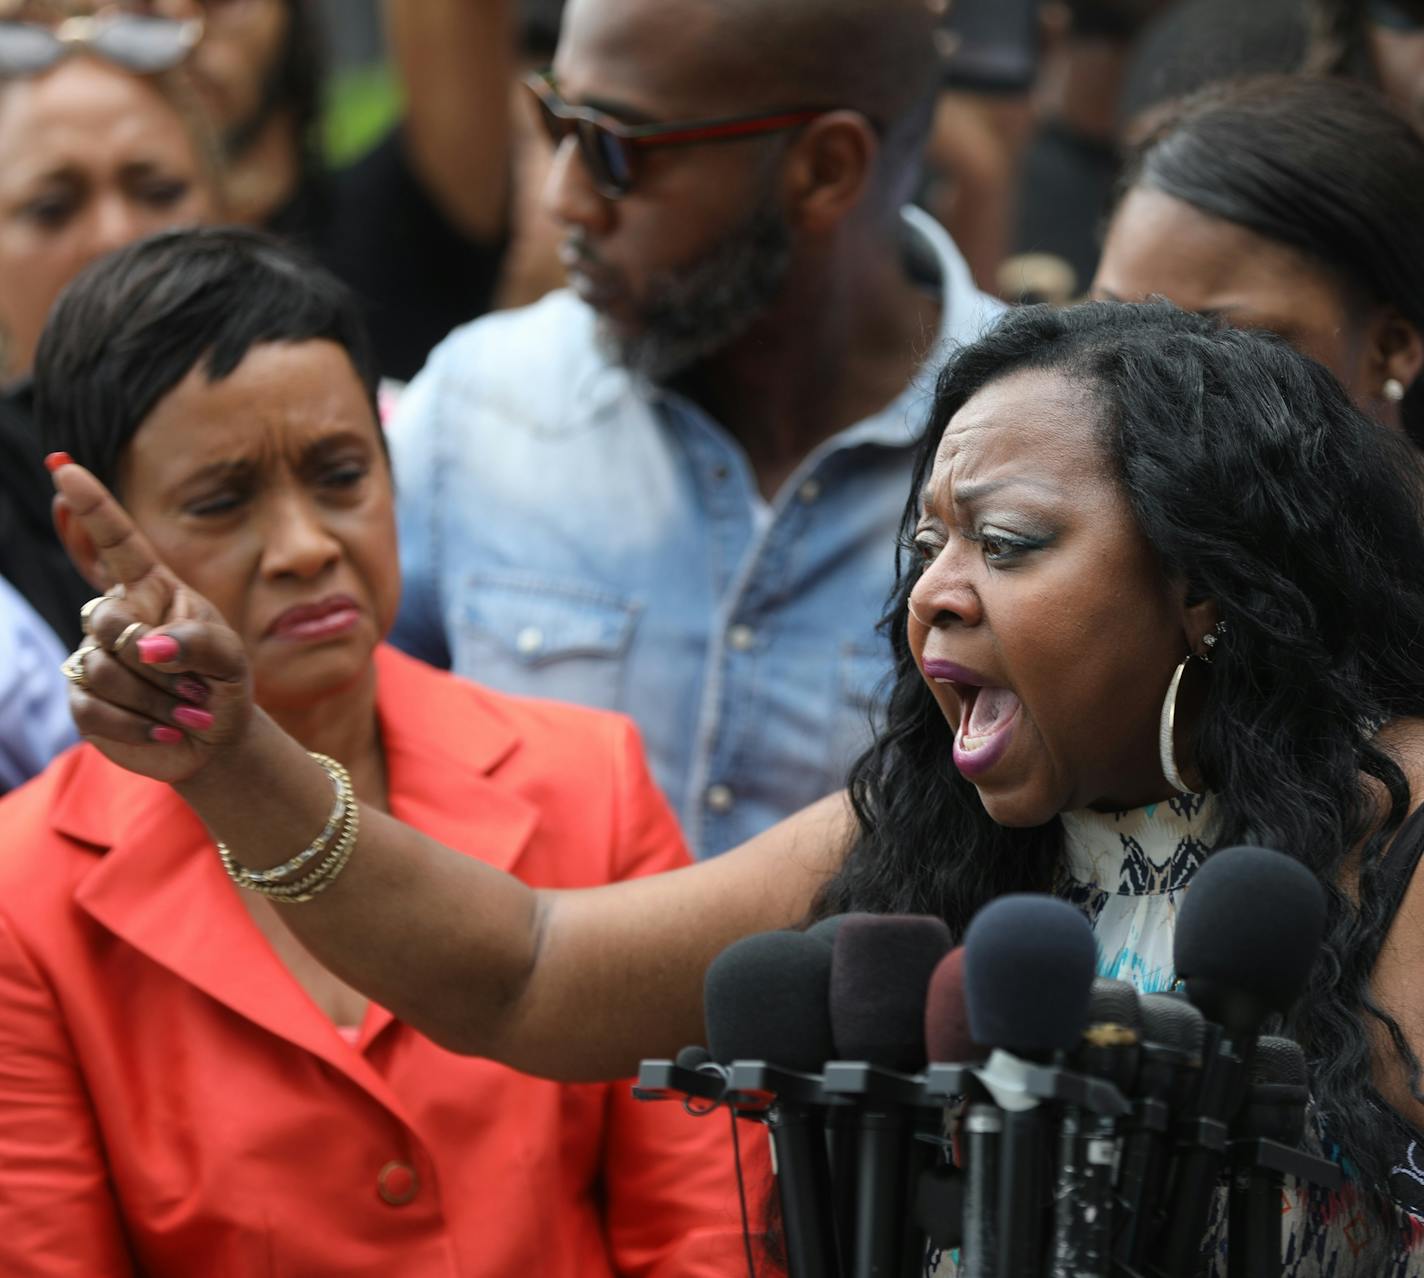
point(569, 531)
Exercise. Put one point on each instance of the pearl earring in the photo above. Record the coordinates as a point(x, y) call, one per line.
point(1393, 389)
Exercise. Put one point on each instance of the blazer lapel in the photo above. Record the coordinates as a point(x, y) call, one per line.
point(161, 889)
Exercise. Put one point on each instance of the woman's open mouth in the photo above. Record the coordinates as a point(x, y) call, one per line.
point(986, 727)
point(987, 717)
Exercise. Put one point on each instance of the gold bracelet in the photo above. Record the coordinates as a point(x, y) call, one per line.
point(343, 828)
point(319, 881)
point(341, 783)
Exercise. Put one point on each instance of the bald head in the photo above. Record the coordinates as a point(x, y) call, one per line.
point(875, 56)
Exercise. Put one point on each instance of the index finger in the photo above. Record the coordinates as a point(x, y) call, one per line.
point(124, 550)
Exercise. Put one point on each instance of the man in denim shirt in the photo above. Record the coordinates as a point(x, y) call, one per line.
point(674, 489)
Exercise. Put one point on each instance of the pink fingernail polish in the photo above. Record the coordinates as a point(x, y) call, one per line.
point(192, 717)
point(156, 649)
point(165, 735)
point(194, 690)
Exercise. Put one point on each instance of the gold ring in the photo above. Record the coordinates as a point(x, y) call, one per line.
point(72, 667)
point(86, 612)
point(125, 635)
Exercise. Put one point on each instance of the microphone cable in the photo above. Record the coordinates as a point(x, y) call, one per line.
point(696, 1108)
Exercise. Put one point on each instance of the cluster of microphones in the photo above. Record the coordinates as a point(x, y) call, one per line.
point(1000, 1100)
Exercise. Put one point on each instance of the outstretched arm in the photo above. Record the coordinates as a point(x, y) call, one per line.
point(571, 985)
point(456, 60)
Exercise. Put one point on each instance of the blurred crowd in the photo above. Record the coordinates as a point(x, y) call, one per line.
point(651, 296)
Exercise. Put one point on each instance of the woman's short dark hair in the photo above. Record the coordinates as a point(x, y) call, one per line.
point(1323, 165)
point(1260, 486)
point(132, 326)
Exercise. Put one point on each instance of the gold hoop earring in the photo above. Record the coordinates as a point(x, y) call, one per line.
point(1166, 732)
point(1167, 722)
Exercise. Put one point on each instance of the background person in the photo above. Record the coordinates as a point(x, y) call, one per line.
point(184, 1089)
point(416, 226)
point(1224, 212)
point(667, 489)
point(34, 705)
point(1378, 41)
point(92, 156)
point(1058, 521)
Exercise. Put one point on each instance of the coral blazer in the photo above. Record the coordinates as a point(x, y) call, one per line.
point(172, 1103)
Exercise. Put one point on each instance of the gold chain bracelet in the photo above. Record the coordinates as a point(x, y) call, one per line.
point(334, 845)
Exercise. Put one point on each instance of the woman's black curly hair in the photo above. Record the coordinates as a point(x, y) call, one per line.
point(1261, 487)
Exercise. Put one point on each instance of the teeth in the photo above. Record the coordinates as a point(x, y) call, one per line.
point(943, 680)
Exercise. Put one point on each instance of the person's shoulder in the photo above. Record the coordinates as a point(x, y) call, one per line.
point(533, 373)
point(556, 333)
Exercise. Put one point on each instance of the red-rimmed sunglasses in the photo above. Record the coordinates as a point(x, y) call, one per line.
point(609, 147)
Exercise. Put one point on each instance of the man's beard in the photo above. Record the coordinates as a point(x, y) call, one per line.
point(698, 310)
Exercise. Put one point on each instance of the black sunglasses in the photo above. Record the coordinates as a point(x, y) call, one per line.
point(134, 41)
point(608, 147)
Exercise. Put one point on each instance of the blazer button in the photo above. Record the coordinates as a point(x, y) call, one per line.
point(397, 1183)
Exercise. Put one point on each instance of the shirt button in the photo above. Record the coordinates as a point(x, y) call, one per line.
point(741, 638)
point(529, 640)
point(397, 1183)
point(720, 798)
point(809, 491)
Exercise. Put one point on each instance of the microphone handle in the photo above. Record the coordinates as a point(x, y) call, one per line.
point(1253, 1239)
point(1181, 1250)
point(1021, 1194)
point(982, 1134)
point(881, 1205)
point(1083, 1195)
point(1141, 1177)
point(919, 1162)
point(803, 1182)
point(843, 1146)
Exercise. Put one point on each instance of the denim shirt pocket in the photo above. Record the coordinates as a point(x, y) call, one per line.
point(537, 637)
point(862, 690)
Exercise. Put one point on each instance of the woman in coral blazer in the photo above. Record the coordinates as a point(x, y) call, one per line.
point(184, 1093)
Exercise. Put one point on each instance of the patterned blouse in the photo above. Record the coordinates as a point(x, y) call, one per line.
point(1126, 871)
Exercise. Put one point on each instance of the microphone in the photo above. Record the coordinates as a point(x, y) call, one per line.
point(939, 1197)
point(1169, 1068)
point(880, 975)
point(1081, 1245)
point(1274, 1110)
point(1028, 972)
point(1248, 932)
point(947, 1037)
point(766, 999)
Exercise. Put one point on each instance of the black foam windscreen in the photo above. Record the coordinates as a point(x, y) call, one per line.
point(880, 974)
point(767, 997)
point(1251, 921)
point(947, 1037)
point(692, 1056)
point(1275, 1105)
point(1279, 1060)
point(828, 929)
point(1113, 1002)
point(1028, 973)
point(1172, 1022)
